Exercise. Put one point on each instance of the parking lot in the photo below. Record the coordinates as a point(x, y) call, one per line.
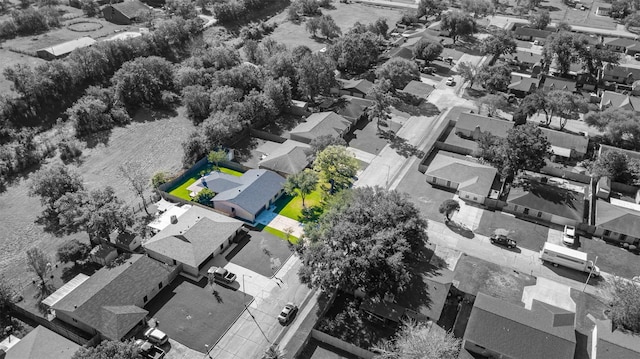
point(195, 314)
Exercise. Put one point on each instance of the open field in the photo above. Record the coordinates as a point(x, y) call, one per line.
point(345, 15)
point(154, 144)
point(9, 59)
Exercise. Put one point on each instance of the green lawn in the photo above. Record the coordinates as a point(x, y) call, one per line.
point(181, 190)
point(291, 207)
point(281, 234)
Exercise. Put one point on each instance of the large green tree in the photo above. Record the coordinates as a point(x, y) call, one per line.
point(110, 350)
point(427, 50)
point(540, 19)
point(458, 24)
point(563, 48)
point(315, 75)
point(617, 166)
point(625, 305)
point(494, 78)
point(363, 241)
point(381, 92)
point(430, 8)
point(399, 71)
point(356, 52)
point(302, 183)
point(144, 81)
point(51, 183)
point(621, 127)
point(500, 43)
point(73, 251)
point(337, 167)
point(418, 340)
point(565, 105)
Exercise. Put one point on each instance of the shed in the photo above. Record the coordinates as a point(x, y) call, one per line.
point(124, 13)
point(61, 50)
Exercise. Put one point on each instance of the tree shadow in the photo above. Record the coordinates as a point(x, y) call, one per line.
point(311, 214)
point(402, 147)
point(87, 268)
point(460, 228)
point(95, 139)
point(217, 296)
point(50, 222)
point(143, 115)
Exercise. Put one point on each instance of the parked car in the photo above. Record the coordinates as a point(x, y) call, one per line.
point(569, 236)
point(450, 82)
point(222, 275)
point(637, 56)
point(149, 350)
point(156, 336)
point(429, 70)
point(288, 312)
point(503, 241)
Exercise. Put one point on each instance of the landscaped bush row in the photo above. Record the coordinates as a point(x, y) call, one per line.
point(29, 22)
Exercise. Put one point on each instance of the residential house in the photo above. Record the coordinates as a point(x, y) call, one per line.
point(245, 196)
point(522, 86)
point(287, 158)
point(110, 302)
point(499, 329)
point(621, 74)
point(616, 100)
point(353, 108)
point(623, 45)
point(566, 145)
point(554, 83)
point(523, 59)
point(402, 52)
point(617, 221)
point(525, 33)
point(471, 125)
point(471, 180)
point(41, 343)
point(298, 108)
point(603, 11)
point(64, 49)
point(356, 88)
point(546, 202)
point(168, 213)
point(193, 239)
point(631, 154)
point(125, 13)
point(612, 343)
point(418, 89)
point(320, 124)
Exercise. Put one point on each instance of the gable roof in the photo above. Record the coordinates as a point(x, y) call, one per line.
point(617, 219)
point(42, 343)
point(67, 47)
point(549, 199)
point(130, 8)
point(322, 123)
point(622, 71)
point(353, 107)
point(106, 300)
point(523, 83)
point(615, 343)
point(418, 89)
point(516, 332)
point(527, 31)
point(526, 57)
point(289, 157)
point(403, 52)
point(623, 42)
point(195, 235)
point(362, 86)
point(618, 100)
point(629, 153)
point(257, 187)
point(559, 139)
point(471, 121)
point(554, 83)
point(473, 177)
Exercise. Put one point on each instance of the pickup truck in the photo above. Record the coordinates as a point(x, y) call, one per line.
point(149, 350)
point(221, 275)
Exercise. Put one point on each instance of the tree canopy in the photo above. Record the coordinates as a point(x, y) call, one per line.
point(625, 305)
point(617, 166)
point(448, 207)
point(144, 81)
point(621, 127)
point(302, 183)
point(565, 105)
point(51, 183)
point(500, 43)
point(337, 167)
point(363, 240)
point(427, 50)
point(431, 7)
point(458, 24)
point(73, 251)
point(494, 78)
point(399, 71)
point(356, 52)
point(418, 340)
point(563, 48)
point(110, 350)
point(540, 19)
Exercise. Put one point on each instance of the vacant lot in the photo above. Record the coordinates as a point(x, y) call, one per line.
point(345, 15)
point(155, 144)
point(528, 234)
point(194, 314)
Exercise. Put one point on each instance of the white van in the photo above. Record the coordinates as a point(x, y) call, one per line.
point(570, 258)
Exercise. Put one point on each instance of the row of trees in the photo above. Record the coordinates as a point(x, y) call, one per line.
point(564, 48)
point(239, 10)
point(29, 21)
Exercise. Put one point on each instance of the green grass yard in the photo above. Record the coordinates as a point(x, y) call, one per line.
point(281, 234)
point(181, 190)
point(291, 207)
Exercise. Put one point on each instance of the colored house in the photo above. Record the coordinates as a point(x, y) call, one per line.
point(288, 158)
point(42, 343)
point(320, 124)
point(616, 100)
point(110, 302)
point(617, 221)
point(471, 125)
point(471, 180)
point(193, 239)
point(124, 13)
point(64, 49)
point(245, 196)
point(546, 202)
point(499, 329)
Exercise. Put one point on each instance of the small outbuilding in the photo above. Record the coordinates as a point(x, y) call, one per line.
point(61, 50)
point(124, 13)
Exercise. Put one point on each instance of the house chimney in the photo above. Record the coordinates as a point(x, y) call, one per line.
point(174, 219)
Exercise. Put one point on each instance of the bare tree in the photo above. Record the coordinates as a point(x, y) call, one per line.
point(38, 263)
point(138, 181)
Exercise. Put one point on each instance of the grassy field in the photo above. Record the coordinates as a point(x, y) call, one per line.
point(345, 15)
point(181, 190)
point(155, 144)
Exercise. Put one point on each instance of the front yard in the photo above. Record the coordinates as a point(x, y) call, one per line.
point(291, 206)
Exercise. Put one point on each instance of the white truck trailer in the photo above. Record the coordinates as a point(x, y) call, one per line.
point(567, 257)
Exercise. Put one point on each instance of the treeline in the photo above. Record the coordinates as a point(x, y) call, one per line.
point(29, 22)
point(238, 10)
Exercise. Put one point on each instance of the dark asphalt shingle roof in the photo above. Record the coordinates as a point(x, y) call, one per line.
point(549, 199)
point(616, 344)
point(566, 140)
point(629, 153)
point(43, 343)
point(353, 107)
point(362, 86)
point(554, 83)
point(289, 157)
point(527, 31)
point(130, 8)
point(418, 89)
point(618, 100)
point(525, 84)
point(496, 127)
point(542, 332)
point(473, 177)
point(322, 123)
point(617, 219)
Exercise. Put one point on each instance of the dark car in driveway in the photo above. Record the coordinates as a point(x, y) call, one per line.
point(503, 240)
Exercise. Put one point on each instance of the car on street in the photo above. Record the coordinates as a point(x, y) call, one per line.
point(450, 81)
point(569, 236)
point(288, 312)
point(156, 336)
point(503, 240)
point(429, 70)
point(149, 350)
point(636, 56)
point(221, 275)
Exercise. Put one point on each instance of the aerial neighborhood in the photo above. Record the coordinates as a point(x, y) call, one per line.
point(313, 179)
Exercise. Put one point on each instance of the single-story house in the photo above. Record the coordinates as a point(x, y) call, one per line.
point(288, 158)
point(621, 74)
point(64, 49)
point(245, 196)
point(41, 343)
point(356, 88)
point(418, 89)
point(403, 52)
point(631, 154)
point(623, 45)
point(353, 108)
point(103, 254)
point(617, 221)
point(525, 33)
point(615, 100)
point(603, 11)
point(471, 125)
point(525, 59)
point(320, 124)
point(471, 180)
point(522, 86)
point(110, 302)
point(124, 13)
point(608, 342)
point(499, 329)
point(193, 239)
point(567, 145)
point(554, 83)
point(546, 202)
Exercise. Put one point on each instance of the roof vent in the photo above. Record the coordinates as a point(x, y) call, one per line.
point(174, 219)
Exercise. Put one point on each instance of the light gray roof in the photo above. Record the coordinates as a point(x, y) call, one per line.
point(43, 343)
point(494, 126)
point(66, 47)
point(322, 123)
point(289, 157)
point(255, 188)
point(473, 177)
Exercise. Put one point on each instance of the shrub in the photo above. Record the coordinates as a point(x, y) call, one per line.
point(69, 150)
point(8, 29)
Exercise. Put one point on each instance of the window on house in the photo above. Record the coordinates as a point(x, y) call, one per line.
point(475, 198)
point(145, 298)
point(160, 285)
point(539, 214)
point(526, 211)
point(515, 208)
point(607, 232)
point(74, 320)
point(448, 183)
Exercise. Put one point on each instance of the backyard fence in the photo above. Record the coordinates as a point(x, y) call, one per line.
point(267, 136)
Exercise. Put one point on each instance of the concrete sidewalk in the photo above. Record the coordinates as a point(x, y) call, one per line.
point(361, 155)
point(284, 224)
